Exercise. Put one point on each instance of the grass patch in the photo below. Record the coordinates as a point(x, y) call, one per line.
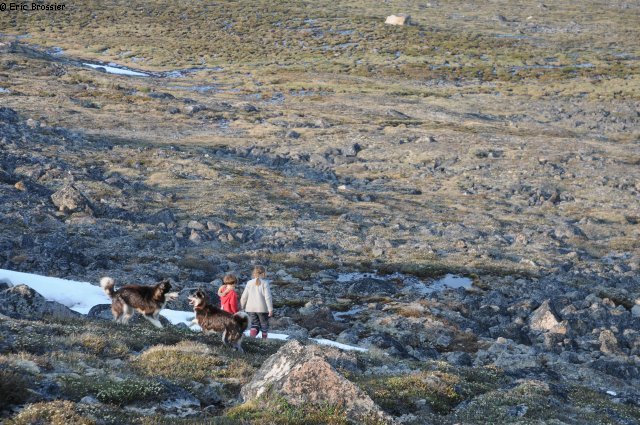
point(280, 411)
point(442, 388)
point(289, 303)
point(14, 388)
point(159, 420)
point(189, 361)
point(59, 412)
point(113, 392)
point(599, 408)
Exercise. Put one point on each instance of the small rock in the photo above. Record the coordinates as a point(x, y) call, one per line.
point(249, 108)
point(461, 244)
point(518, 411)
point(195, 237)
point(459, 358)
point(292, 134)
point(163, 216)
point(400, 19)
point(352, 150)
point(89, 400)
point(21, 186)
point(608, 342)
point(194, 109)
point(193, 224)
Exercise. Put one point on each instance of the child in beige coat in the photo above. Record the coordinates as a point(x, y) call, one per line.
point(256, 301)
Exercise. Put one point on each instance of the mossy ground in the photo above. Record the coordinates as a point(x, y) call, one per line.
point(340, 37)
point(117, 365)
point(279, 411)
point(441, 387)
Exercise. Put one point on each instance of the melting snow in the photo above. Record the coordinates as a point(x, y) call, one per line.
point(112, 68)
point(339, 315)
point(78, 296)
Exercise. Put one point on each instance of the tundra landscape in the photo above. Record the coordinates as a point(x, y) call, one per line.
point(454, 201)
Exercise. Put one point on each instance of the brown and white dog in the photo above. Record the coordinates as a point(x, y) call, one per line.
point(214, 319)
point(147, 300)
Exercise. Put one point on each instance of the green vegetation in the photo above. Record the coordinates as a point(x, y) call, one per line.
point(59, 412)
point(598, 408)
point(279, 411)
point(114, 392)
point(14, 388)
point(325, 36)
point(442, 388)
point(190, 361)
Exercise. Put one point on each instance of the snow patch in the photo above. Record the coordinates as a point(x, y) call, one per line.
point(78, 296)
point(339, 345)
point(340, 315)
point(113, 68)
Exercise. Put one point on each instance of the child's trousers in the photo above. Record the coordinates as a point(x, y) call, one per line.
point(259, 322)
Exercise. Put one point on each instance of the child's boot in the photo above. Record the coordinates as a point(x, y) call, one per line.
point(253, 333)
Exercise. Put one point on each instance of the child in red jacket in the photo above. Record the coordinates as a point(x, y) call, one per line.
point(228, 295)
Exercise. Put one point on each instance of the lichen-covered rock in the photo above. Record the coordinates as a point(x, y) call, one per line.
point(69, 199)
point(310, 374)
point(608, 342)
point(544, 319)
point(22, 302)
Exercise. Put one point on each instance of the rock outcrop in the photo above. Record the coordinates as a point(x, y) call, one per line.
point(310, 374)
point(22, 302)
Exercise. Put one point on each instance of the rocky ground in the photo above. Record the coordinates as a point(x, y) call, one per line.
point(500, 144)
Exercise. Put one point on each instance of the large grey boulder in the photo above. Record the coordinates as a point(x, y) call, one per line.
point(310, 375)
point(22, 302)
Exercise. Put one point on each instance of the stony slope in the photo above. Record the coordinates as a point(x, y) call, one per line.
point(498, 142)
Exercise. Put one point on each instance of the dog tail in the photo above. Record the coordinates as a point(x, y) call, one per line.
point(107, 284)
point(242, 319)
